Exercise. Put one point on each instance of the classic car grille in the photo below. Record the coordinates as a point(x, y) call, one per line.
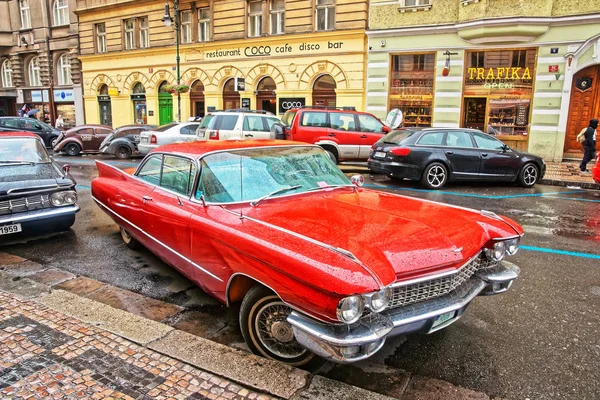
point(429, 289)
point(24, 204)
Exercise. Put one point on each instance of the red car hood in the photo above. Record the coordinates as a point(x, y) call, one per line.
point(393, 236)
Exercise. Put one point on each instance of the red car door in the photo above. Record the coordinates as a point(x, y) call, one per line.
point(371, 130)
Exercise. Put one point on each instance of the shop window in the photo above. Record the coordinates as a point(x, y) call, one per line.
point(324, 92)
point(61, 12)
point(100, 38)
point(197, 99)
point(186, 27)
point(25, 16)
point(254, 18)
point(7, 74)
point(325, 20)
point(138, 97)
point(477, 59)
point(519, 58)
point(34, 72)
point(204, 24)
point(411, 87)
point(231, 97)
point(144, 32)
point(63, 70)
point(277, 17)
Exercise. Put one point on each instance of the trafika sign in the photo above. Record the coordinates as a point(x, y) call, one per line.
point(499, 77)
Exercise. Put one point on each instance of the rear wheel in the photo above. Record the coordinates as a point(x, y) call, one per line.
point(528, 175)
point(72, 149)
point(263, 321)
point(332, 155)
point(128, 239)
point(435, 176)
point(123, 152)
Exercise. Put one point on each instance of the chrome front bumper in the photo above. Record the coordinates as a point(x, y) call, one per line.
point(349, 343)
point(39, 215)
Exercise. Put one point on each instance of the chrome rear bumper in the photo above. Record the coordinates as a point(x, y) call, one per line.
point(349, 343)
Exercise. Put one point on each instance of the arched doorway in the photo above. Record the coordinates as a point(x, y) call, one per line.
point(231, 98)
point(105, 106)
point(138, 98)
point(265, 95)
point(165, 105)
point(197, 99)
point(324, 92)
point(584, 105)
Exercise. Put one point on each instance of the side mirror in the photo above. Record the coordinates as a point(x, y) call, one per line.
point(202, 200)
point(386, 129)
point(505, 148)
point(277, 132)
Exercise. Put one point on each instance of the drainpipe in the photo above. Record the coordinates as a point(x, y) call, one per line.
point(50, 61)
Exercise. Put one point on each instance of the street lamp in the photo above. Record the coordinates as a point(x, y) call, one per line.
point(167, 21)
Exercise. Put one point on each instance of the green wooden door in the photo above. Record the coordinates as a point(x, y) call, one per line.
point(165, 108)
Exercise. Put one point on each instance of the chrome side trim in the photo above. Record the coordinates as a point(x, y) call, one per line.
point(158, 241)
point(38, 189)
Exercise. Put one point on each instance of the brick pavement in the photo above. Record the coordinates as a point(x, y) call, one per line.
point(47, 354)
point(568, 174)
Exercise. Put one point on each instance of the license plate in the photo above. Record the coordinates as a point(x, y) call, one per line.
point(380, 154)
point(144, 139)
point(440, 319)
point(8, 229)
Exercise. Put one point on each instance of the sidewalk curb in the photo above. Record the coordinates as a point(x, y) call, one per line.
point(583, 185)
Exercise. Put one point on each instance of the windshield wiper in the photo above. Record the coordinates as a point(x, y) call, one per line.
point(18, 162)
point(273, 193)
point(330, 187)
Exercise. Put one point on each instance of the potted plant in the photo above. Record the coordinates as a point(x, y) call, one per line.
point(182, 88)
point(169, 89)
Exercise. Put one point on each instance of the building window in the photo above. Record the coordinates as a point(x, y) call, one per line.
point(477, 59)
point(325, 15)
point(204, 24)
point(7, 74)
point(61, 12)
point(186, 27)
point(411, 87)
point(25, 17)
point(519, 58)
point(415, 5)
point(101, 38)
point(254, 18)
point(129, 25)
point(277, 17)
point(144, 32)
point(63, 70)
point(34, 72)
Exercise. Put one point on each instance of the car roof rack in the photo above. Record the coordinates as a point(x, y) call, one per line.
point(247, 110)
point(345, 108)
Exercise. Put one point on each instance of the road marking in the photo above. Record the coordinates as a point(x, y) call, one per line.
point(563, 252)
point(91, 162)
point(84, 187)
point(574, 199)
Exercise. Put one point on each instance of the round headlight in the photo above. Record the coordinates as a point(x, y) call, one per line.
point(512, 246)
point(70, 197)
point(57, 199)
point(350, 309)
point(498, 251)
point(377, 302)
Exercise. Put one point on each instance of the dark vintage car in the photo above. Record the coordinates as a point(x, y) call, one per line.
point(320, 265)
point(438, 155)
point(82, 139)
point(36, 195)
point(48, 133)
point(123, 141)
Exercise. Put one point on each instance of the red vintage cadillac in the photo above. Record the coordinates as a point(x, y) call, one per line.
point(320, 265)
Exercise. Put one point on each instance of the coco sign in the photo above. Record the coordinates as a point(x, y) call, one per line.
point(289, 103)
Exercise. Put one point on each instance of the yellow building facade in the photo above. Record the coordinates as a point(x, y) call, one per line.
point(304, 65)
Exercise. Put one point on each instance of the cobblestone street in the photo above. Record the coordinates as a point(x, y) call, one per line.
point(46, 354)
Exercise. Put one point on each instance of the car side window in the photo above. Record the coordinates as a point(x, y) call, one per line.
point(431, 139)
point(459, 139)
point(188, 129)
point(487, 142)
point(102, 131)
point(177, 174)
point(225, 122)
point(271, 121)
point(315, 119)
point(150, 171)
point(11, 122)
point(253, 123)
point(369, 123)
point(342, 121)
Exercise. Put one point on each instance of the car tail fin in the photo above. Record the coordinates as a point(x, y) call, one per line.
point(106, 170)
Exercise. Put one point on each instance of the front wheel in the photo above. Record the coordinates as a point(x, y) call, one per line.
point(528, 175)
point(263, 320)
point(435, 176)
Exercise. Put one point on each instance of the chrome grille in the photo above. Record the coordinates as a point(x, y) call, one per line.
point(24, 204)
point(403, 295)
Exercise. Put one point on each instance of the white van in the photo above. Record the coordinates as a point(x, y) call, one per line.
point(237, 125)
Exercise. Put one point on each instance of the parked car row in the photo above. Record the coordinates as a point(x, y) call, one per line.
point(47, 133)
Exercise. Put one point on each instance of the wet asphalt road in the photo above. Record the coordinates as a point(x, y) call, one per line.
point(539, 340)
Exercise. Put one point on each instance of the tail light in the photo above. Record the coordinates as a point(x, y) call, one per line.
point(153, 139)
point(400, 151)
point(214, 134)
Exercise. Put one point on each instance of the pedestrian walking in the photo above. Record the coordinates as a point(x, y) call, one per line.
point(589, 146)
point(60, 123)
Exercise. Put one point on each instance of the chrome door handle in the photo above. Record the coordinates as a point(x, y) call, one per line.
point(483, 154)
point(363, 136)
point(248, 135)
point(449, 152)
point(332, 134)
point(146, 198)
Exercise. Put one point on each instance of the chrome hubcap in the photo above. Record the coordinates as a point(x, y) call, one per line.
point(275, 333)
point(530, 175)
point(436, 176)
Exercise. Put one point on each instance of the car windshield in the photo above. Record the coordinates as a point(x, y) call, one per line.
point(22, 151)
point(288, 117)
point(397, 137)
point(252, 174)
point(163, 128)
point(206, 121)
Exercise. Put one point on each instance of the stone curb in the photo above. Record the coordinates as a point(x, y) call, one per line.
point(556, 182)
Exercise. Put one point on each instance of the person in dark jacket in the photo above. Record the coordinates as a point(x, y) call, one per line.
point(589, 145)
